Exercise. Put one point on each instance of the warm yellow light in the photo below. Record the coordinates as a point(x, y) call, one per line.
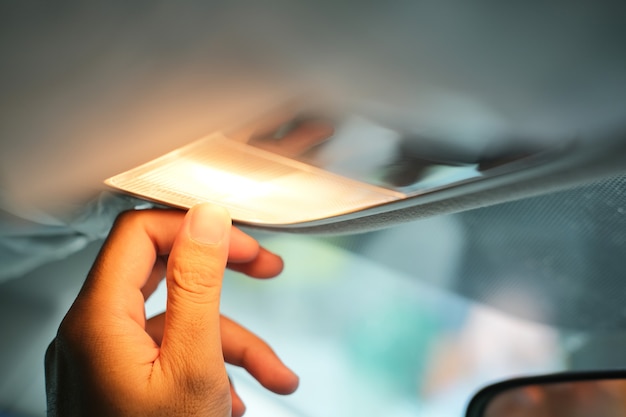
point(256, 186)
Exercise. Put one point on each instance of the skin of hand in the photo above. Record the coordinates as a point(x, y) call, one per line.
point(108, 360)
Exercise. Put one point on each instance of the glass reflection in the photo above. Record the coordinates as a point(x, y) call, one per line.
point(601, 398)
point(362, 149)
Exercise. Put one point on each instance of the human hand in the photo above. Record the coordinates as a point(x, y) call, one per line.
point(108, 360)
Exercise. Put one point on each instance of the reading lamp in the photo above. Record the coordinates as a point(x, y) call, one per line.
point(318, 172)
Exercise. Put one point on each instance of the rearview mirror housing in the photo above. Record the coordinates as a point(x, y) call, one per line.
point(566, 394)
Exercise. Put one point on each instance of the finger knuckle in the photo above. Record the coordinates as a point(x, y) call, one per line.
point(128, 218)
point(195, 279)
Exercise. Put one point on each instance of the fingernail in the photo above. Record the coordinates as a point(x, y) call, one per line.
point(208, 224)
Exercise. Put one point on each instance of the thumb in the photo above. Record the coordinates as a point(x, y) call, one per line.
point(191, 344)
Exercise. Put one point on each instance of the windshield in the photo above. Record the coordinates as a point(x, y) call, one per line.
point(368, 339)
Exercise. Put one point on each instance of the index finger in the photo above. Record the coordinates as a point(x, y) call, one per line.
point(127, 259)
point(139, 237)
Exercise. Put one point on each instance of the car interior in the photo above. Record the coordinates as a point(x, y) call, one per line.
point(445, 182)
